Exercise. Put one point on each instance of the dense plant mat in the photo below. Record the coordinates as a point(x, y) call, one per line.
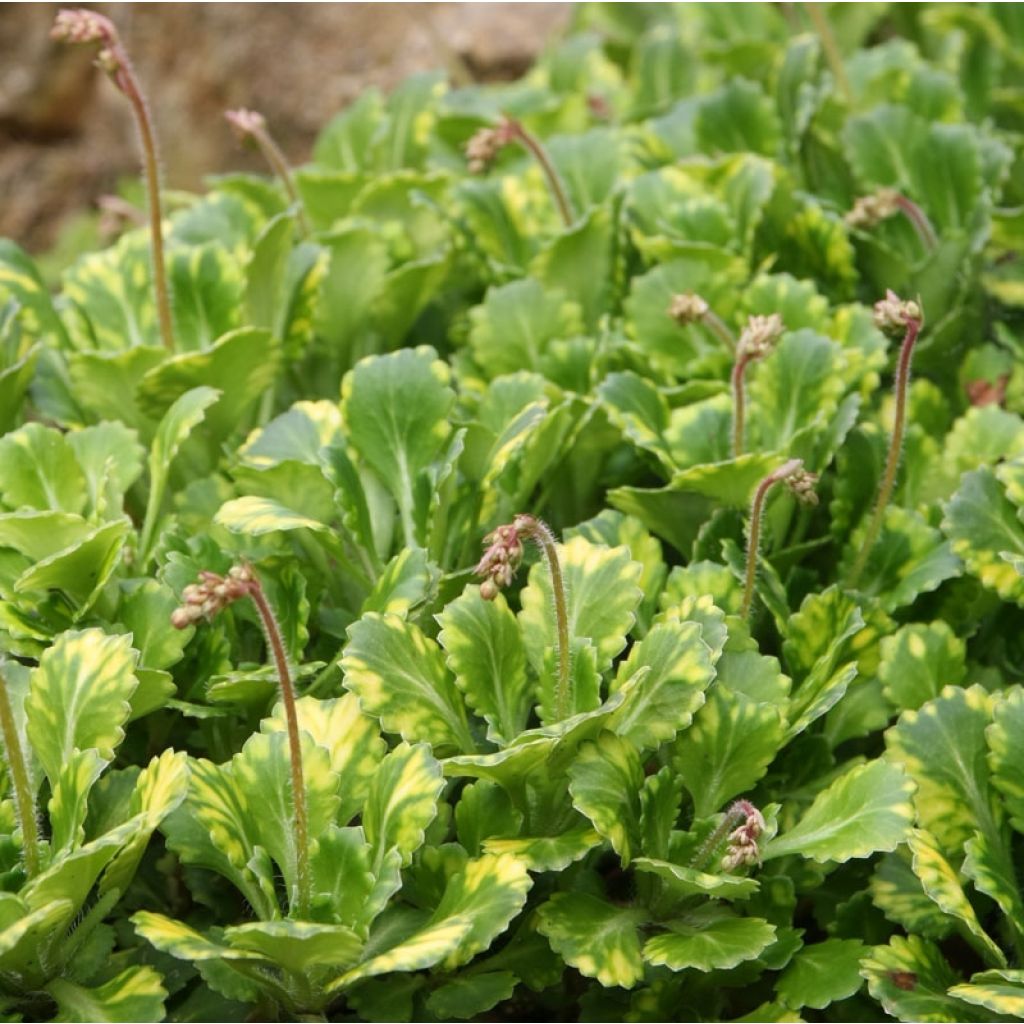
point(556, 555)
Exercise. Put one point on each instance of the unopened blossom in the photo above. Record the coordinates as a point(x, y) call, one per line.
point(499, 563)
point(893, 315)
point(870, 210)
point(246, 123)
point(743, 849)
point(484, 146)
point(688, 308)
point(759, 337)
point(802, 483)
point(211, 594)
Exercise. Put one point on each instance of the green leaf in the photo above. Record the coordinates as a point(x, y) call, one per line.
point(981, 524)
point(258, 516)
point(1002, 992)
point(512, 328)
point(824, 973)
point(676, 668)
point(351, 739)
point(479, 902)
point(942, 747)
point(21, 281)
point(605, 781)
point(136, 994)
point(660, 800)
point(729, 748)
point(183, 942)
point(298, 946)
point(686, 881)
point(242, 365)
point(908, 559)
point(910, 979)
point(79, 697)
point(898, 893)
point(599, 939)
point(400, 676)
point(396, 411)
point(601, 595)
point(471, 995)
point(918, 661)
point(738, 118)
point(579, 262)
point(262, 776)
point(186, 412)
point(940, 882)
point(1005, 758)
point(864, 811)
point(547, 853)
point(714, 944)
point(69, 803)
point(484, 650)
point(110, 458)
point(484, 810)
point(402, 802)
point(38, 469)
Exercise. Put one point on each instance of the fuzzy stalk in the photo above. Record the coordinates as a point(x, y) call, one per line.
point(85, 26)
point(831, 48)
point(717, 326)
point(919, 219)
point(536, 149)
point(787, 469)
point(17, 768)
point(540, 533)
point(301, 823)
point(913, 329)
point(252, 125)
point(713, 845)
point(739, 404)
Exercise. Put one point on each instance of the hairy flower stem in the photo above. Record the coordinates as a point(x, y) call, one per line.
point(831, 48)
point(84, 26)
point(273, 634)
point(204, 599)
point(498, 566)
point(541, 534)
point(919, 219)
point(706, 854)
point(17, 769)
point(913, 329)
point(739, 402)
point(540, 154)
point(717, 326)
point(252, 125)
point(787, 469)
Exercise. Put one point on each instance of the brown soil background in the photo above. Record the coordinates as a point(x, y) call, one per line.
point(66, 135)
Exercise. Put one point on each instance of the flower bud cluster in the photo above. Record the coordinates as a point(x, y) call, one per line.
point(211, 594)
point(759, 337)
point(688, 308)
point(246, 123)
point(484, 146)
point(802, 484)
point(743, 849)
point(870, 210)
point(500, 561)
point(84, 26)
point(893, 315)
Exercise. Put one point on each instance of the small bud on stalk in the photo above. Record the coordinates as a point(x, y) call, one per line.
point(758, 339)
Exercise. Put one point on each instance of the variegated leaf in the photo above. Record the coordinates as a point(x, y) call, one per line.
point(401, 802)
point(351, 738)
point(297, 946)
point(601, 594)
point(400, 676)
point(716, 943)
point(605, 781)
point(1001, 992)
point(942, 747)
point(485, 651)
point(136, 994)
point(918, 661)
point(864, 811)
point(599, 939)
point(1005, 757)
point(79, 697)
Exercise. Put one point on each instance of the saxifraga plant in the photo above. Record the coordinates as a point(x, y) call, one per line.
point(85, 26)
point(892, 315)
point(801, 483)
point(203, 599)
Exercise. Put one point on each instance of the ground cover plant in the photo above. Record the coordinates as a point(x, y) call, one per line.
point(558, 554)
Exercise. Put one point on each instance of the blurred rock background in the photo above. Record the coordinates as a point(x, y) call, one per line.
point(66, 136)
